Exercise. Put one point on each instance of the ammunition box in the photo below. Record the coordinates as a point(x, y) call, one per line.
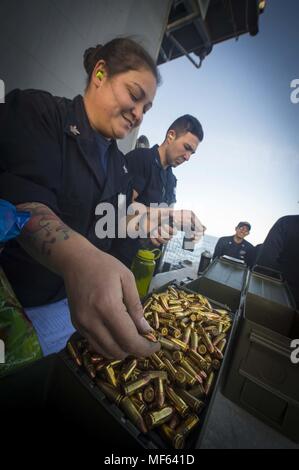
point(120, 410)
point(222, 281)
point(262, 378)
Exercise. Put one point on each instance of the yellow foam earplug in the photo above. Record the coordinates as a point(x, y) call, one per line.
point(100, 74)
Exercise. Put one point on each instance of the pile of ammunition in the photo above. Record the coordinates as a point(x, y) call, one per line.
point(168, 390)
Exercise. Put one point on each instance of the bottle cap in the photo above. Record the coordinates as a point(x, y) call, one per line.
point(149, 255)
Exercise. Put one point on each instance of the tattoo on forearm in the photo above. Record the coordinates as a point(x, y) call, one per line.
point(44, 228)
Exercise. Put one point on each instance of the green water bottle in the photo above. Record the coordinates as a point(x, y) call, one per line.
point(143, 268)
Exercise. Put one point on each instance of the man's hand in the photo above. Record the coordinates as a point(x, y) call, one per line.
point(189, 223)
point(170, 221)
point(161, 224)
point(151, 223)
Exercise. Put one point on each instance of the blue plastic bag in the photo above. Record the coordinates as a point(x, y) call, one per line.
point(11, 221)
point(16, 331)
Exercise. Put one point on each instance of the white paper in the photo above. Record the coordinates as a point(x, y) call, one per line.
point(53, 325)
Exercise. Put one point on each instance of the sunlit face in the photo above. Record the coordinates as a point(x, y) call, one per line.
point(117, 105)
point(243, 231)
point(179, 149)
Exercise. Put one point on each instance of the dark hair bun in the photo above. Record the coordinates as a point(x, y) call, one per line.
point(119, 55)
point(89, 58)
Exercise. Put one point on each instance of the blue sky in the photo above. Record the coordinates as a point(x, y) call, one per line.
point(247, 167)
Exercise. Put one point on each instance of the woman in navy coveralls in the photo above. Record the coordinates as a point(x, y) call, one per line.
point(59, 159)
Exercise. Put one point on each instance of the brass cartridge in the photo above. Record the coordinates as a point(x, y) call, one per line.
point(89, 367)
point(140, 405)
point(218, 354)
point(164, 302)
point(188, 367)
point(177, 356)
point(218, 339)
point(209, 383)
point(165, 322)
point(226, 328)
point(181, 377)
point(143, 363)
point(196, 357)
point(148, 394)
point(160, 393)
point(175, 309)
point(168, 344)
point(74, 353)
point(128, 369)
point(133, 414)
point(175, 420)
point(197, 391)
point(186, 335)
point(202, 349)
point(170, 369)
point(187, 426)
point(167, 433)
point(195, 404)
point(156, 418)
point(165, 353)
point(133, 387)
point(157, 374)
point(179, 404)
point(100, 366)
point(164, 331)
point(175, 332)
point(147, 303)
point(173, 292)
point(194, 341)
point(221, 345)
point(157, 362)
point(179, 343)
point(216, 364)
point(206, 339)
point(110, 375)
point(150, 337)
point(156, 322)
point(96, 359)
point(112, 393)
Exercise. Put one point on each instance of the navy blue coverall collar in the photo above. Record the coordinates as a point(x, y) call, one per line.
point(78, 127)
point(165, 173)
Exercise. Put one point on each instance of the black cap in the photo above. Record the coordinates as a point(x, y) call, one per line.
point(247, 224)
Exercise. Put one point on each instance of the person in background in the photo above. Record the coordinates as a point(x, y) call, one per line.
point(280, 251)
point(142, 142)
point(153, 179)
point(236, 246)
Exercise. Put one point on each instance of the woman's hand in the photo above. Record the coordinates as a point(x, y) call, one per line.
point(102, 293)
point(105, 305)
